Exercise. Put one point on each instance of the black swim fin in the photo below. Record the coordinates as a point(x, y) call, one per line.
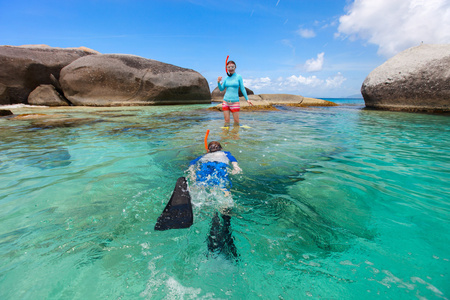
point(220, 240)
point(178, 212)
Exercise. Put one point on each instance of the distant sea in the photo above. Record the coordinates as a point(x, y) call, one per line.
point(346, 101)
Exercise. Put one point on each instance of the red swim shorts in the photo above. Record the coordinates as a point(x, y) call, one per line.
point(231, 106)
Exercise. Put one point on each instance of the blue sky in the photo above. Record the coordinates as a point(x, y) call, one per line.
point(316, 48)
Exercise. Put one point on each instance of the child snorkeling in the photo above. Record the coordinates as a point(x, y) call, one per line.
point(211, 169)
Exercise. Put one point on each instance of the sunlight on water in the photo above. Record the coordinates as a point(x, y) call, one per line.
point(337, 202)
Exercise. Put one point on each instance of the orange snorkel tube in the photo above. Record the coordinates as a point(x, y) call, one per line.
point(206, 140)
point(226, 63)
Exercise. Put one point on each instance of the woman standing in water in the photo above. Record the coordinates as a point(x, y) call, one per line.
point(231, 99)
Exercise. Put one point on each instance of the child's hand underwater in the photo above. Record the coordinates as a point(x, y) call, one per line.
point(236, 168)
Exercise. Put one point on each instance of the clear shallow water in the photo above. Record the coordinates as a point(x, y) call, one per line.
point(335, 202)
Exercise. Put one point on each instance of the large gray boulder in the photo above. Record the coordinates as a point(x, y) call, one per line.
point(121, 80)
point(47, 95)
point(417, 79)
point(24, 68)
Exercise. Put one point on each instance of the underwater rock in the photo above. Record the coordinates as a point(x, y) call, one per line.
point(47, 95)
point(53, 158)
point(30, 116)
point(417, 79)
point(51, 121)
point(124, 80)
point(67, 122)
point(24, 68)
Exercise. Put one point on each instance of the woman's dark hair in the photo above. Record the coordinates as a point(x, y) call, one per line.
point(231, 62)
point(214, 146)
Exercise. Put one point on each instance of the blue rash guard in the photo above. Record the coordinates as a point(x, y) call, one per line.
point(212, 168)
point(232, 84)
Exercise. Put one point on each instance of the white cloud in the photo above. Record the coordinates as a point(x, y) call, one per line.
point(306, 33)
point(336, 81)
point(314, 65)
point(395, 25)
point(258, 83)
point(295, 83)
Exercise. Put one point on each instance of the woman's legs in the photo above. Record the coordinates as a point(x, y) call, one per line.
point(235, 117)
point(226, 116)
point(232, 107)
point(226, 112)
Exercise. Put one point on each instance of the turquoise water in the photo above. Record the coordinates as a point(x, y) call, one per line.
point(334, 203)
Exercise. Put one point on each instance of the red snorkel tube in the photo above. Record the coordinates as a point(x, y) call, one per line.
point(206, 140)
point(226, 63)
